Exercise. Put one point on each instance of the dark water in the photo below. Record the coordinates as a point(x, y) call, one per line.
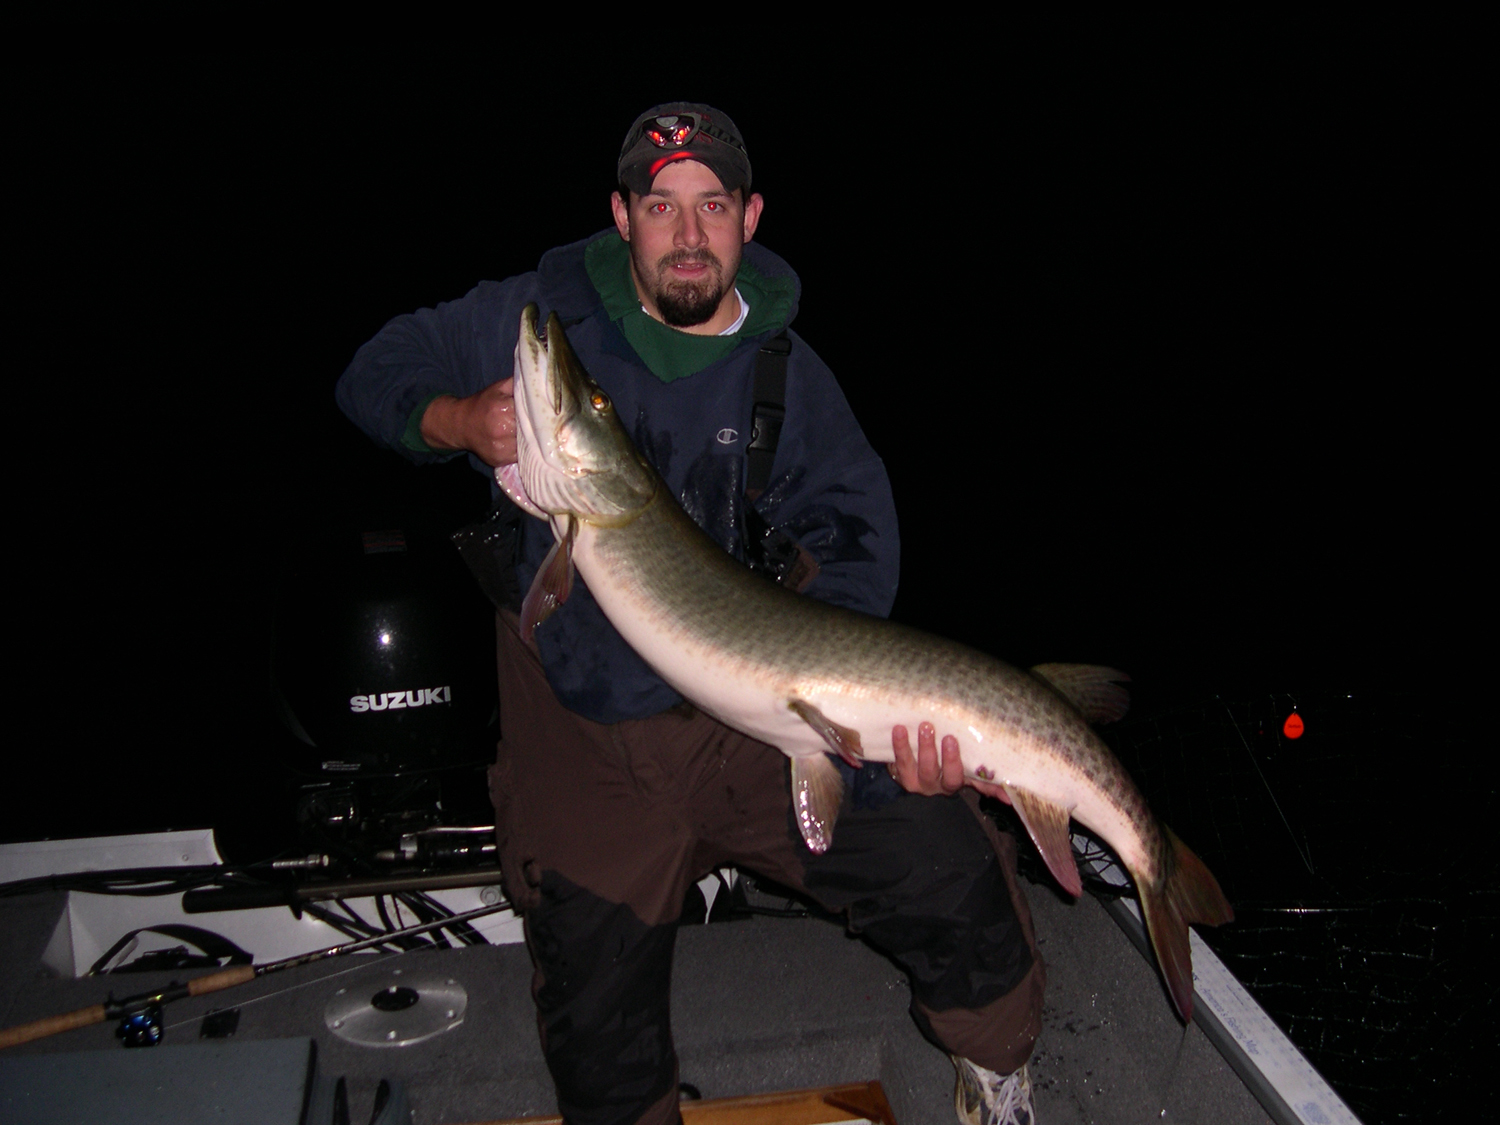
point(1367, 932)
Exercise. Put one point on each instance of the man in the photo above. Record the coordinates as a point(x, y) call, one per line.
point(613, 795)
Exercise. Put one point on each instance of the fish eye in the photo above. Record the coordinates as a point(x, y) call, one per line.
point(599, 400)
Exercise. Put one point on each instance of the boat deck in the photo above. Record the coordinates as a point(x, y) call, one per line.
point(759, 1005)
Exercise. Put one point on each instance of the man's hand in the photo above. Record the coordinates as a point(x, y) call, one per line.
point(926, 773)
point(484, 424)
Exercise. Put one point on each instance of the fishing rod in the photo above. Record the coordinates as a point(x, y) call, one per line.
point(135, 1006)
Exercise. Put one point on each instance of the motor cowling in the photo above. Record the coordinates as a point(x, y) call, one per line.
point(383, 656)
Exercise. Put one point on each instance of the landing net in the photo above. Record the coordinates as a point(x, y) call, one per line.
point(1366, 922)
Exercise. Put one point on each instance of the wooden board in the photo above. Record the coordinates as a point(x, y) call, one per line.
point(854, 1104)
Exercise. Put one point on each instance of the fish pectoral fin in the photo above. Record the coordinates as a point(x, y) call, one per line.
point(1047, 824)
point(841, 740)
point(552, 584)
point(1092, 688)
point(817, 793)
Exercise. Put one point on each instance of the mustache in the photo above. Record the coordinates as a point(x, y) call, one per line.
point(689, 257)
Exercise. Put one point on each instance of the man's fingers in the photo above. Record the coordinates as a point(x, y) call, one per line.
point(901, 747)
point(484, 423)
point(928, 766)
point(929, 771)
point(499, 422)
point(952, 767)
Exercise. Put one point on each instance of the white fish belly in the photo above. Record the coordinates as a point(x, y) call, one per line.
point(1007, 757)
point(751, 700)
point(1004, 756)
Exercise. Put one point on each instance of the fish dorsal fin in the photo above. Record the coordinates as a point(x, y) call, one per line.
point(1047, 825)
point(552, 584)
point(1092, 688)
point(817, 793)
point(841, 740)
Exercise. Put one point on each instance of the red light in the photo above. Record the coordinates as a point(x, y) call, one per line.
point(665, 160)
point(1293, 727)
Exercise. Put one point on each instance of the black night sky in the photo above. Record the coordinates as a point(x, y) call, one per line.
point(1167, 334)
point(1168, 331)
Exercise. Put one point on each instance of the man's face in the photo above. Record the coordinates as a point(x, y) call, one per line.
point(685, 242)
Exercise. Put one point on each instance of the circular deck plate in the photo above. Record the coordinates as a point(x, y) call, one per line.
point(351, 1015)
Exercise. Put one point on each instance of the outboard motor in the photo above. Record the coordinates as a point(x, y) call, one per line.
point(383, 660)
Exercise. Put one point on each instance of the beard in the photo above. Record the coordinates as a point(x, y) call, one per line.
point(683, 304)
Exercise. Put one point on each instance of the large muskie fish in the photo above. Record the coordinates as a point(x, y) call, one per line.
point(809, 677)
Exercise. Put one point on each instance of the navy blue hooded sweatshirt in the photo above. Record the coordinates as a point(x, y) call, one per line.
point(828, 489)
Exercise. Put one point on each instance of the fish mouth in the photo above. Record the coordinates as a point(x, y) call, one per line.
point(551, 386)
point(554, 380)
point(539, 394)
point(551, 376)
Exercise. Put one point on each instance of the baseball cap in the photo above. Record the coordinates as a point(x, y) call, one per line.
point(683, 131)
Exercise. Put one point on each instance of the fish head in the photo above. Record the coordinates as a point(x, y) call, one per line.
point(573, 455)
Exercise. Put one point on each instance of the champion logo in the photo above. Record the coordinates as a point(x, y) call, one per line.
point(726, 436)
point(397, 700)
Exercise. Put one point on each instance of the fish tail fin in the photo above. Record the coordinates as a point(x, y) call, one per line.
point(1188, 894)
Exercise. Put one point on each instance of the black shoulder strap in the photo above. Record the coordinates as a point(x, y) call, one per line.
point(768, 414)
point(770, 551)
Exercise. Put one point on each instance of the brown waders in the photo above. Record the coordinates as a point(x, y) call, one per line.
point(602, 829)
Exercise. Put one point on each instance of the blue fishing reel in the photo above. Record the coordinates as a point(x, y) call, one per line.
point(143, 1028)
